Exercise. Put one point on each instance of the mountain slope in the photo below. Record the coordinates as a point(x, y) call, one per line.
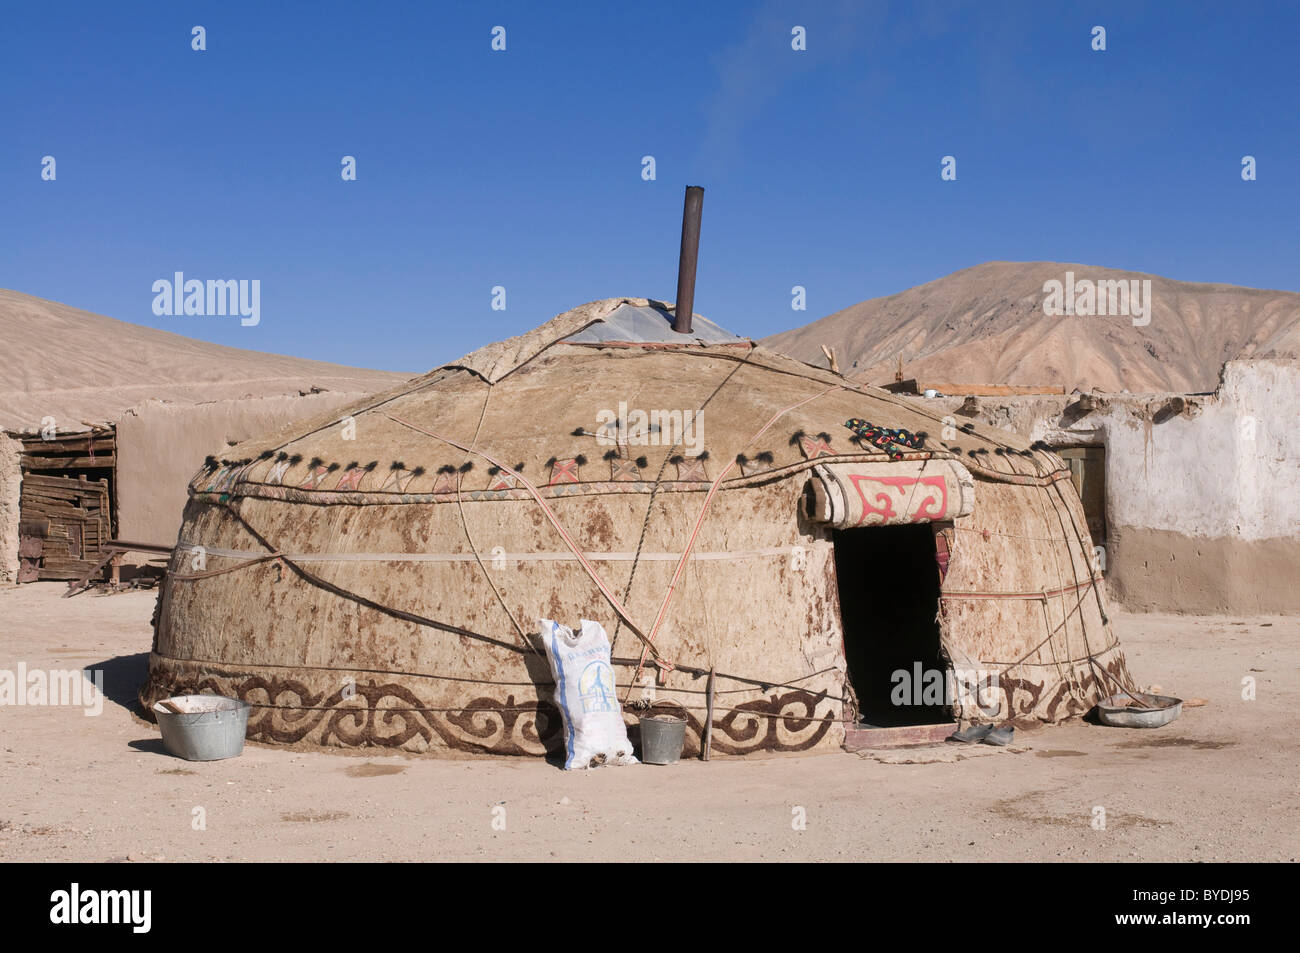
point(77, 366)
point(986, 325)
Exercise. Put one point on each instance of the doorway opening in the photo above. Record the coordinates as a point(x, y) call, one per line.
point(1088, 474)
point(889, 603)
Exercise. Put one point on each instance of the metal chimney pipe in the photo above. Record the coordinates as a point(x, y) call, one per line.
point(691, 213)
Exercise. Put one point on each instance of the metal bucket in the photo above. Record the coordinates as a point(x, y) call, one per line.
point(662, 738)
point(212, 727)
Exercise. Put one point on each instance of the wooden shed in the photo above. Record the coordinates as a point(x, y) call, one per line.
point(67, 510)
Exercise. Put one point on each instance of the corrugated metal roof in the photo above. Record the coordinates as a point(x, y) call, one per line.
point(631, 322)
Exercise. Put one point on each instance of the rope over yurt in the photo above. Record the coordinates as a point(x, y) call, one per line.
point(376, 577)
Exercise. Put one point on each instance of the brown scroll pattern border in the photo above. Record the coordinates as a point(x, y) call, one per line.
point(389, 715)
point(1028, 707)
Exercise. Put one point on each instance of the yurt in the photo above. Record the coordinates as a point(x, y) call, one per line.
point(776, 551)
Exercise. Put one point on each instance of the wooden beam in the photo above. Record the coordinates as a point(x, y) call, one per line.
point(70, 492)
point(123, 546)
point(68, 488)
point(706, 742)
point(83, 582)
point(59, 482)
point(58, 445)
point(107, 461)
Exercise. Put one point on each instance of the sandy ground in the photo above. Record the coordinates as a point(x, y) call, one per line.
point(1218, 784)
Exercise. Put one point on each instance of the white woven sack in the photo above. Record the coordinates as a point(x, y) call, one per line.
point(594, 733)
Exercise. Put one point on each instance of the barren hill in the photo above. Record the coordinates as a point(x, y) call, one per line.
point(986, 325)
point(77, 366)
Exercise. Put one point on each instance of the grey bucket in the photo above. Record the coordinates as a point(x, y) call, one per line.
point(662, 738)
point(211, 728)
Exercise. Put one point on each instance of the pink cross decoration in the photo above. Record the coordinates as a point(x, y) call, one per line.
point(564, 471)
point(622, 469)
point(692, 469)
point(814, 447)
point(351, 479)
point(314, 477)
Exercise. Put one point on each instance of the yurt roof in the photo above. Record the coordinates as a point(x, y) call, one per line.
point(531, 404)
point(637, 320)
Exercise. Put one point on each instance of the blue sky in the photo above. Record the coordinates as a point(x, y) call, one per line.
point(522, 168)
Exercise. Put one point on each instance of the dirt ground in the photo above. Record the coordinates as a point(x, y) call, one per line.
point(1218, 784)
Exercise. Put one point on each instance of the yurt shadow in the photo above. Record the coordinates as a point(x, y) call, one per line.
point(122, 675)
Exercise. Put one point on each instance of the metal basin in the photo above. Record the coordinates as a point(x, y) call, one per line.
point(1163, 709)
point(211, 728)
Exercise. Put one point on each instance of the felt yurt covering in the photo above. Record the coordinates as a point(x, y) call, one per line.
point(376, 577)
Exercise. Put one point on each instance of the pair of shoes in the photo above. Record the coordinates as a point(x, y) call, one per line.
point(984, 734)
point(1000, 736)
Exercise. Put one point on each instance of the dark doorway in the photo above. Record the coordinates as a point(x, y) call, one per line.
point(1088, 473)
point(889, 603)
